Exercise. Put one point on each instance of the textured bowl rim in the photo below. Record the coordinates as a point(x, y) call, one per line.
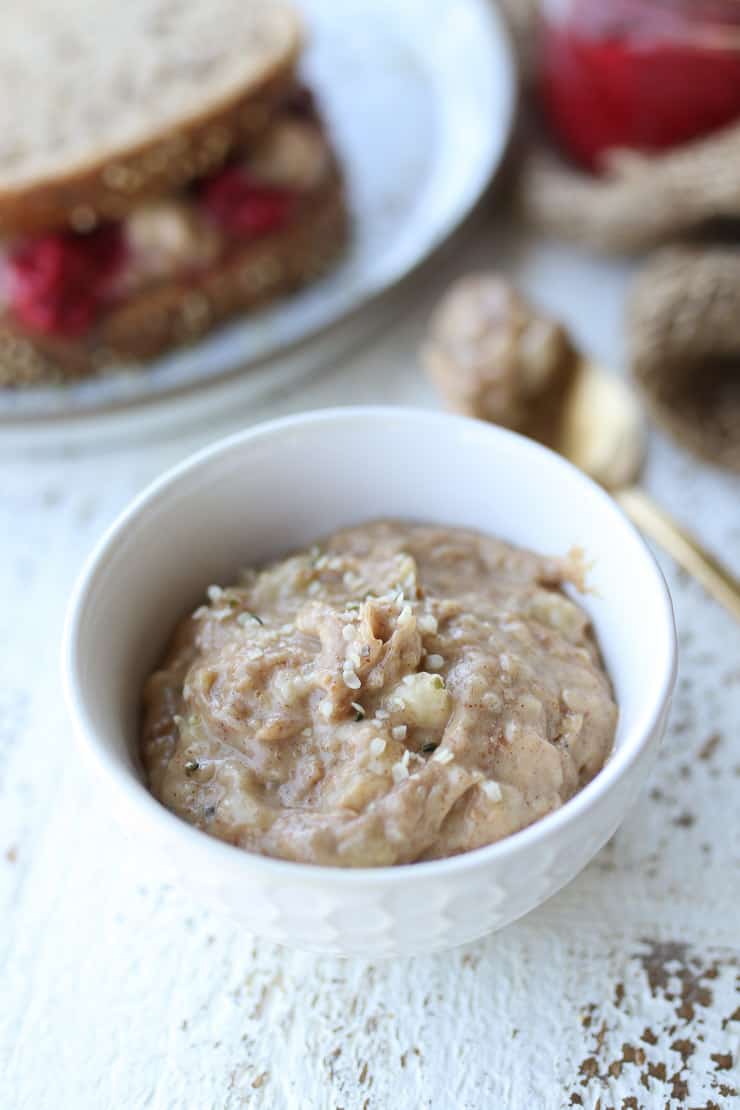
point(147, 809)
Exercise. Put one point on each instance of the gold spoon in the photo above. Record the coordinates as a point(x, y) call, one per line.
point(493, 355)
point(602, 431)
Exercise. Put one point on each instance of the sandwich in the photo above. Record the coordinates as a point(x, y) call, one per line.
point(161, 169)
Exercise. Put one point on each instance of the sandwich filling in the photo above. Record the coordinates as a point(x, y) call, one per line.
point(60, 283)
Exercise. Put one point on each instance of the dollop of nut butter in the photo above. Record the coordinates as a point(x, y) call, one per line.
point(397, 693)
point(493, 356)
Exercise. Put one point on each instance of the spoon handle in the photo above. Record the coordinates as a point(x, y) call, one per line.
point(656, 523)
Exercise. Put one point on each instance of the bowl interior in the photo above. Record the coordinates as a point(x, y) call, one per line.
point(283, 485)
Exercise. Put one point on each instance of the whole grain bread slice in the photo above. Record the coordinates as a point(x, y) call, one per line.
point(107, 102)
point(177, 312)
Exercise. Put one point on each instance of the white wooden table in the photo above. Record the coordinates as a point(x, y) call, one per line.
point(118, 992)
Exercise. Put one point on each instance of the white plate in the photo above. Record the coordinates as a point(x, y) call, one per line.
point(419, 98)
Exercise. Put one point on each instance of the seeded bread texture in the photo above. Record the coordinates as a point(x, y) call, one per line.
point(177, 312)
point(106, 103)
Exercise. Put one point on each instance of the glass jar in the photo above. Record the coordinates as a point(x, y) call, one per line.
point(638, 74)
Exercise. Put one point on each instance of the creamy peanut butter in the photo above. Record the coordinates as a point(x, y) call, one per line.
point(398, 693)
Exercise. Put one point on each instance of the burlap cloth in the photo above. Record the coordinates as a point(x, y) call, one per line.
point(683, 319)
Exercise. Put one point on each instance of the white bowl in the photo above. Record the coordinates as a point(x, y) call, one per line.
point(280, 486)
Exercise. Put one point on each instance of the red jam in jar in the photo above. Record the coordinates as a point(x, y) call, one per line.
point(639, 74)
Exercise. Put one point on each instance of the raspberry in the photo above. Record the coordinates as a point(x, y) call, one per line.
point(245, 207)
point(301, 103)
point(59, 282)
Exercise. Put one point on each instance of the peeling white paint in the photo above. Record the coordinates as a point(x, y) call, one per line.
point(118, 993)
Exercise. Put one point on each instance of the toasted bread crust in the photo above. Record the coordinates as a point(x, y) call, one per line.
point(140, 126)
point(174, 313)
point(110, 190)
